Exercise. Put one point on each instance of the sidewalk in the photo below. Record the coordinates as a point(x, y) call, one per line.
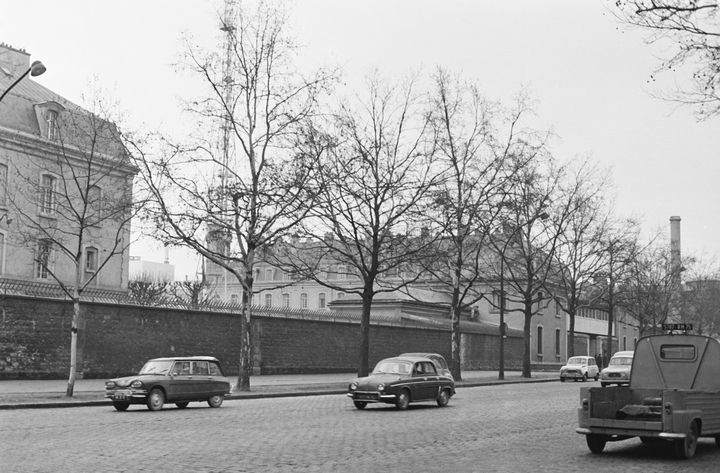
point(24, 394)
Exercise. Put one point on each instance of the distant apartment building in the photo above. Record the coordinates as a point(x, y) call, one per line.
point(151, 270)
point(56, 158)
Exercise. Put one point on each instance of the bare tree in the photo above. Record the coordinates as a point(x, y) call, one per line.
point(146, 290)
point(693, 27)
point(579, 256)
point(701, 300)
point(527, 244)
point(477, 155)
point(653, 287)
point(366, 222)
point(228, 195)
point(75, 208)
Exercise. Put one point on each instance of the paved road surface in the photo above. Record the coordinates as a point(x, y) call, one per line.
point(513, 428)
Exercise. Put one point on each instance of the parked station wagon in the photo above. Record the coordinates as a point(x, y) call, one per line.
point(400, 381)
point(618, 370)
point(179, 380)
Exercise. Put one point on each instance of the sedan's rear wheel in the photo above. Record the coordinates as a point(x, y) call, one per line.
point(562, 379)
point(597, 376)
point(120, 405)
point(156, 399)
point(403, 400)
point(584, 377)
point(182, 405)
point(443, 397)
point(360, 404)
point(215, 401)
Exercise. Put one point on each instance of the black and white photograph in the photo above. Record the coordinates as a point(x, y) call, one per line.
point(351, 236)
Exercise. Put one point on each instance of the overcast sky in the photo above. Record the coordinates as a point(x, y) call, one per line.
point(588, 74)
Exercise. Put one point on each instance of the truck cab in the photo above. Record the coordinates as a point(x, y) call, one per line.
point(673, 395)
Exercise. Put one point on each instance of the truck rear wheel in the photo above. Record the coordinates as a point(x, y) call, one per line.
point(596, 442)
point(685, 448)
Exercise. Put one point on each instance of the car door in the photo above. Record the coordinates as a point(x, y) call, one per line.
point(219, 383)
point(201, 381)
point(180, 384)
point(425, 380)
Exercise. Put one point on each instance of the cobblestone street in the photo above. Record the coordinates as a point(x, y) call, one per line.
point(523, 427)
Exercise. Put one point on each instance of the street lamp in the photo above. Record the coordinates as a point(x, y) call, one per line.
point(503, 325)
point(35, 69)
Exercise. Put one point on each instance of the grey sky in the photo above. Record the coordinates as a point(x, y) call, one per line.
point(588, 74)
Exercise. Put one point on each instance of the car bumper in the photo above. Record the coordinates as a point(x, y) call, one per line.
point(572, 375)
point(127, 395)
point(372, 396)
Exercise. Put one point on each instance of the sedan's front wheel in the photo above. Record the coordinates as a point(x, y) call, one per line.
point(121, 406)
point(155, 400)
point(215, 401)
point(360, 404)
point(443, 398)
point(403, 400)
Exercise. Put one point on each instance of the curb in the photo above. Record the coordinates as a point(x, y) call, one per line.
point(257, 395)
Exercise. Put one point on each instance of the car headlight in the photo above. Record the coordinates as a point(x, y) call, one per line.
point(110, 384)
point(353, 386)
point(136, 384)
point(381, 387)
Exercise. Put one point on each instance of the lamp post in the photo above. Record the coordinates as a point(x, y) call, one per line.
point(503, 326)
point(35, 69)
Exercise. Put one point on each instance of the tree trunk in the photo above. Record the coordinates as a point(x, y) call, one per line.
point(364, 364)
point(571, 335)
point(526, 343)
point(455, 338)
point(73, 345)
point(245, 364)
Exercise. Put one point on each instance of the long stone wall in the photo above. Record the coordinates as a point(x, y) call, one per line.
point(117, 339)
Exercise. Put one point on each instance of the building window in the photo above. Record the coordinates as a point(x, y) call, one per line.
point(234, 298)
point(47, 193)
point(624, 343)
point(52, 124)
point(303, 300)
point(341, 272)
point(269, 274)
point(321, 300)
point(341, 295)
point(558, 310)
point(286, 300)
point(43, 259)
point(268, 300)
point(323, 275)
point(557, 342)
point(3, 184)
point(540, 340)
point(91, 259)
point(496, 301)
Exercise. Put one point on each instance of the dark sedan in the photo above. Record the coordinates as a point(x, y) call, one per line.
point(400, 381)
point(179, 380)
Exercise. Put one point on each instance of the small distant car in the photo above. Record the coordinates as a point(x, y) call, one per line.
point(179, 380)
point(400, 381)
point(580, 368)
point(618, 370)
point(439, 361)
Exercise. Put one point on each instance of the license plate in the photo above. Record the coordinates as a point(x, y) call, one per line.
point(121, 395)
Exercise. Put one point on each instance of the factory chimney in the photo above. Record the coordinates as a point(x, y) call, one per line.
point(675, 263)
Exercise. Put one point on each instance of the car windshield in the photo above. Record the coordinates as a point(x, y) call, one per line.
point(577, 361)
point(621, 361)
point(393, 367)
point(156, 367)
